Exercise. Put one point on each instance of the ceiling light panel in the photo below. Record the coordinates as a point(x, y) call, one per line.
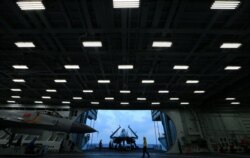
point(230, 98)
point(141, 99)
point(30, 5)
point(18, 80)
point(184, 103)
point(77, 98)
point(181, 67)
point(15, 97)
point(126, 4)
point(163, 91)
point(72, 67)
point(109, 98)
point(92, 44)
point(173, 98)
point(88, 91)
point(225, 4)
point(16, 90)
point(24, 67)
point(232, 68)
point(51, 90)
point(103, 81)
point(11, 101)
point(162, 44)
point(199, 91)
point(95, 103)
point(65, 102)
point(155, 103)
point(46, 97)
point(192, 81)
point(125, 67)
point(125, 91)
point(230, 45)
point(235, 103)
point(25, 44)
point(60, 81)
point(124, 103)
point(38, 102)
point(147, 81)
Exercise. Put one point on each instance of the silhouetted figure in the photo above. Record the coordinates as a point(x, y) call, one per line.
point(145, 147)
point(100, 145)
point(31, 146)
point(19, 141)
point(179, 146)
point(12, 137)
point(111, 144)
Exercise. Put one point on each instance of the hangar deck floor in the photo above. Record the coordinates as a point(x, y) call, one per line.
point(106, 154)
point(139, 155)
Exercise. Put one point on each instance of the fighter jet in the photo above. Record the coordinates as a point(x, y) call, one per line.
point(120, 140)
point(26, 122)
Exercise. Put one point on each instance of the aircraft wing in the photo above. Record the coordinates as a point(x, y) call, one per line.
point(13, 120)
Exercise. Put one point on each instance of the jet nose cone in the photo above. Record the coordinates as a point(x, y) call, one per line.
point(81, 128)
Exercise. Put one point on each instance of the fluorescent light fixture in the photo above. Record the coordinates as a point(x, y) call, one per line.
point(77, 98)
point(11, 101)
point(38, 102)
point(92, 44)
point(125, 91)
point(147, 81)
point(31, 5)
point(230, 45)
point(162, 44)
point(16, 97)
point(199, 91)
point(225, 4)
point(60, 81)
point(51, 90)
point(173, 98)
point(94, 103)
point(141, 99)
point(230, 99)
point(71, 66)
point(235, 103)
point(18, 80)
point(88, 91)
point(25, 44)
point(184, 103)
point(181, 67)
point(126, 4)
point(65, 102)
point(46, 97)
point(192, 81)
point(124, 103)
point(20, 67)
point(103, 81)
point(155, 103)
point(16, 90)
point(233, 68)
point(109, 98)
point(125, 67)
point(163, 91)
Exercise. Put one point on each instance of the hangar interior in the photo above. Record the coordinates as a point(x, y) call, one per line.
point(185, 60)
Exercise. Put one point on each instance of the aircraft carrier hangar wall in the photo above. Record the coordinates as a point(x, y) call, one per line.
point(55, 141)
point(219, 129)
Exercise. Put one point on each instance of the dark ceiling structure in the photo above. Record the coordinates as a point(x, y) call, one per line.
point(58, 32)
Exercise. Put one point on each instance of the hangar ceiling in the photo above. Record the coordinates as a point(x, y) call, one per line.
point(193, 32)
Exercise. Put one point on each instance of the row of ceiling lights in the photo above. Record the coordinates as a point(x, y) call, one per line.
point(38, 5)
point(123, 67)
point(122, 103)
point(155, 44)
point(123, 4)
